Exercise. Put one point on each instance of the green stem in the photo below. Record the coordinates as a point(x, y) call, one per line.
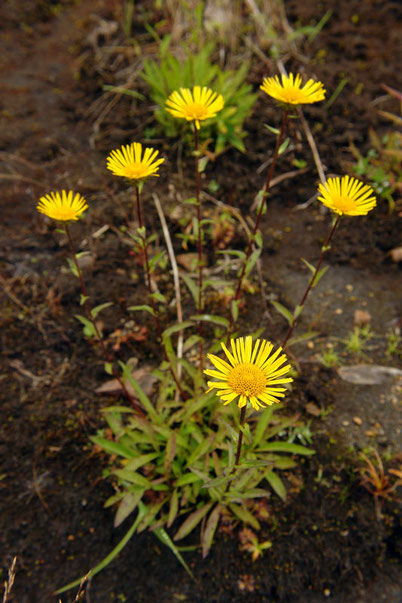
point(324, 249)
point(259, 215)
point(88, 309)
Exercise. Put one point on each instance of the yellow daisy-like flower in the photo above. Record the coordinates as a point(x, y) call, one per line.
point(347, 196)
point(201, 103)
point(253, 374)
point(62, 206)
point(290, 90)
point(131, 163)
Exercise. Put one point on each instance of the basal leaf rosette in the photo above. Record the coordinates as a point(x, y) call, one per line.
point(63, 206)
point(252, 374)
point(197, 105)
point(347, 196)
point(131, 162)
point(289, 90)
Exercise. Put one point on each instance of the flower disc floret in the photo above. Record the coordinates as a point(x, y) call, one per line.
point(197, 105)
point(347, 196)
point(290, 90)
point(252, 374)
point(64, 206)
point(130, 162)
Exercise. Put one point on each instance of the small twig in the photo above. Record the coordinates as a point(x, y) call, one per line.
point(176, 279)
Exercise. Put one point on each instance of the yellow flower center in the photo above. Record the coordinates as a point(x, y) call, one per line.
point(344, 204)
point(293, 95)
point(247, 379)
point(136, 171)
point(196, 111)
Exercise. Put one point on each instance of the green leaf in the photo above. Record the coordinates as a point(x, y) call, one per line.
point(113, 447)
point(133, 477)
point(245, 429)
point(200, 450)
point(272, 129)
point(283, 146)
point(286, 447)
point(207, 535)
point(284, 311)
point(142, 307)
point(127, 506)
point(217, 320)
point(173, 508)
point(180, 326)
point(320, 274)
point(192, 286)
point(297, 311)
point(141, 460)
point(167, 541)
point(192, 521)
point(244, 515)
point(89, 329)
point(309, 266)
point(95, 311)
point(170, 452)
point(187, 478)
point(277, 484)
point(143, 398)
point(263, 422)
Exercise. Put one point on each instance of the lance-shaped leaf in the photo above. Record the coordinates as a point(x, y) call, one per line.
point(170, 452)
point(167, 541)
point(286, 447)
point(276, 483)
point(127, 506)
point(192, 521)
point(173, 508)
point(284, 311)
point(207, 535)
point(244, 514)
point(114, 447)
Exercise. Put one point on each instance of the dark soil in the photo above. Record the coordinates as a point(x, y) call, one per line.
point(327, 541)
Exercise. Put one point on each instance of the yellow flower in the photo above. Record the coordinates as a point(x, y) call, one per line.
point(347, 196)
point(62, 206)
point(252, 374)
point(290, 91)
point(195, 106)
point(129, 162)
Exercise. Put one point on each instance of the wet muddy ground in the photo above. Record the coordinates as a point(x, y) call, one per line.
point(328, 544)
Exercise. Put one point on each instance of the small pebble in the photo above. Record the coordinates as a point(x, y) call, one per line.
point(345, 423)
point(357, 420)
point(339, 311)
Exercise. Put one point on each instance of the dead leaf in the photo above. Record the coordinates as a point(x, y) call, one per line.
point(313, 409)
point(144, 377)
point(396, 254)
point(361, 317)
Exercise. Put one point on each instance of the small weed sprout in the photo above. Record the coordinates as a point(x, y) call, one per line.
point(377, 482)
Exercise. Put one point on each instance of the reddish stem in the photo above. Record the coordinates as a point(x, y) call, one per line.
point(199, 244)
point(324, 249)
point(149, 286)
point(259, 215)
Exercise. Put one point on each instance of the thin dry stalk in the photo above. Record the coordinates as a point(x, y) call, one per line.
point(176, 279)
